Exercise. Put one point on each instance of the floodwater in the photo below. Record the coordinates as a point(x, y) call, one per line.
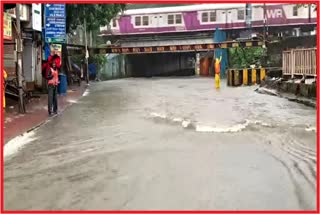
point(167, 144)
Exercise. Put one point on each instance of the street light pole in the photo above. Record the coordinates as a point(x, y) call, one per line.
point(249, 17)
point(264, 22)
point(86, 46)
point(264, 34)
point(19, 43)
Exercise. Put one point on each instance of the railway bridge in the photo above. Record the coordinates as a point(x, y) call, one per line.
point(167, 60)
point(178, 37)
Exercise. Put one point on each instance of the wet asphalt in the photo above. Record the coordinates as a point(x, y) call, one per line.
point(168, 144)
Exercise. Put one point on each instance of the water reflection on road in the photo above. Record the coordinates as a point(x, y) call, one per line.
point(169, 143)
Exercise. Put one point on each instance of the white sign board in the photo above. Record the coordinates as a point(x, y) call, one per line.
point(36, 17)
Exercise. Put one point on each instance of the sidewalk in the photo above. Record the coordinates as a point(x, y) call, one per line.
point(16, 124)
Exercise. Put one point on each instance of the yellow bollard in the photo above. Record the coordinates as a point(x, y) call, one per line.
point(254, 76)
point(237, 78)
point(245, 76)
point(229, 77)
point(262, 74)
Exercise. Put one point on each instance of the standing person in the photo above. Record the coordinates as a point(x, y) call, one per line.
point(53, 81)
point(217, 68)
point(4, 92)
point(55, 58)
point(55, 54)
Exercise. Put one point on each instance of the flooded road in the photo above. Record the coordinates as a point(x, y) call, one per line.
point(168, 143)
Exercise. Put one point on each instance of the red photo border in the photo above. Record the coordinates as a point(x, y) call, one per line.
point(150, 2)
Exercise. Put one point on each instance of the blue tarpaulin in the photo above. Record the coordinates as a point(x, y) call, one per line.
point(220, 36)
point(47, 51)
point(92, 69)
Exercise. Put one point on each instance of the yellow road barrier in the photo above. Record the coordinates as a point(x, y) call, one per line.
point(246, 76)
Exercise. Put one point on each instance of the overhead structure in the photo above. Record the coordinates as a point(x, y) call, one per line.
point(231, 18)
point(177, 48)
point(8, 6)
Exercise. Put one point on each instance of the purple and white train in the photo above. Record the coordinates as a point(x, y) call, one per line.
point(206, 17)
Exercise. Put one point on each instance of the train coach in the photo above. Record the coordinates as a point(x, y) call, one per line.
point(206, 17)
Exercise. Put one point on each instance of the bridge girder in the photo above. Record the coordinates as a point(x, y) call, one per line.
point(177, 48)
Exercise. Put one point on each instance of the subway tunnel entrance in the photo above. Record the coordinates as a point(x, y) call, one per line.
point(161, 64)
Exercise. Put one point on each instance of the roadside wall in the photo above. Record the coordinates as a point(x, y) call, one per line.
point(307, 90)
point(275, 49)
point(114, 68)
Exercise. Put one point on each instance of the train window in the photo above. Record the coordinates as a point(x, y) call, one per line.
point(170, 19)
point(295, 11)
point(240, 14)
point(145, 20)
point(178, 19)
point(138, 20)
point(114, 23)
point(213, 16)
point(204, 17)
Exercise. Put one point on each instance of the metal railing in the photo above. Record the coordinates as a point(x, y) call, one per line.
point(299, 62)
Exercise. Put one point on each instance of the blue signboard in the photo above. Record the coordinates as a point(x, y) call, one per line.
point(55, 23)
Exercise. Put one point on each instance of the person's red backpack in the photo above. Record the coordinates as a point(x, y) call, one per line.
point(46, 71)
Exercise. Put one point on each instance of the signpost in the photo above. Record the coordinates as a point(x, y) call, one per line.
point(19, 49)
point(55, 23)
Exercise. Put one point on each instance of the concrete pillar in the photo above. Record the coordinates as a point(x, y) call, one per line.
point(123, 66)
point(197, 64)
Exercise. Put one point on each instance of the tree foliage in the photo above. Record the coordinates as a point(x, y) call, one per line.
point(244, 57)
point(99, 59)
point(96, 15)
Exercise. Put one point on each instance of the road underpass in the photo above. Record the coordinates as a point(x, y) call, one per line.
point(161, 64)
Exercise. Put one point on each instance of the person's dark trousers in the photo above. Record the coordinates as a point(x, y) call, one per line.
point(52, 99)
